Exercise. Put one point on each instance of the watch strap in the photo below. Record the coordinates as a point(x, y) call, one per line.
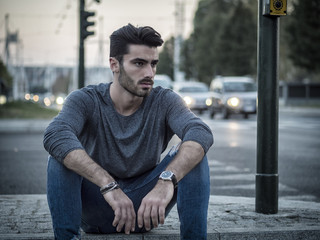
point(172, 178)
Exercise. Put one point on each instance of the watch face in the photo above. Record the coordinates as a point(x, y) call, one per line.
point(166, 175)
point(169, 176)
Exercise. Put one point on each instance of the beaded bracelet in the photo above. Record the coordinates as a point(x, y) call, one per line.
point(109, 187)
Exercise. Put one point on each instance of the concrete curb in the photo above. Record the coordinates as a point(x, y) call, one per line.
point(27, 217)
point(23, 125)
point(310, 233)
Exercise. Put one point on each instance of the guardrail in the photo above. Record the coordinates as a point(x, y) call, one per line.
point(298, 94)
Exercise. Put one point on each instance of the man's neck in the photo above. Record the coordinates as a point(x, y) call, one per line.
point(124, 102)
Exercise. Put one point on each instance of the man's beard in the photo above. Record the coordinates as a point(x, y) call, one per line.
point(128, 84)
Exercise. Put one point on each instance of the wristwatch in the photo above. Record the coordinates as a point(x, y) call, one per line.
point(169, 176)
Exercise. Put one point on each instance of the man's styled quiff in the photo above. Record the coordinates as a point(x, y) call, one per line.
point(121, 38)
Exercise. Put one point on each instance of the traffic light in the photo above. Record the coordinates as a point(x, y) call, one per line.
point(274, 7)
point(85, 23)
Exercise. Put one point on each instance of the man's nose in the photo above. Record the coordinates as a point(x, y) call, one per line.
point(149, 71)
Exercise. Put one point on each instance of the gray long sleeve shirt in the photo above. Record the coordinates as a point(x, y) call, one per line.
point(125, 146)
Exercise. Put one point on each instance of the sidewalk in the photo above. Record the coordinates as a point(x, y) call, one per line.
point(232, 218)
point(23, 125)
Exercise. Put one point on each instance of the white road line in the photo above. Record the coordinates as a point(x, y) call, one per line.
point(244, 175)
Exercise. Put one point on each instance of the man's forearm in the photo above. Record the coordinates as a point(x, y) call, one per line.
point(81, 163)
point(189, 155)
point(125, 217)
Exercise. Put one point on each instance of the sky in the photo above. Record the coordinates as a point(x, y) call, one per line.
point(48, 29)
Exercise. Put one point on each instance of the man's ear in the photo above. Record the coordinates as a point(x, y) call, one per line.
point(114, 65)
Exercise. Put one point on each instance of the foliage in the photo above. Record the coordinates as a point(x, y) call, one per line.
point(21, 109)
point(165, 65)
point(61, 85)
point(303, 32)
point(237, 52)
point(209, 23)
point(223, 41)
point(6, 79)
point(187, 65)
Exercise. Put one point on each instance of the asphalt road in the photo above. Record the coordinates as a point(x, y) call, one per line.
point(234, 156)
point(232, 159)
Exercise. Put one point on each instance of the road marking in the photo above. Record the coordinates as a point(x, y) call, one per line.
point(244, 176)
point(220, 171)
point(240, 124)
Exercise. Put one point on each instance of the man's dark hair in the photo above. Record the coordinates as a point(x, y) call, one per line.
point(121, 38)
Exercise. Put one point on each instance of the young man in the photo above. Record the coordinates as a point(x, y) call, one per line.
point(104, 169)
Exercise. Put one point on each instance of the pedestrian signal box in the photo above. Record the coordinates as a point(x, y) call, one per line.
point(275, 7)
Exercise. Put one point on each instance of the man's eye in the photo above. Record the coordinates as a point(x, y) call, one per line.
point(139, 64)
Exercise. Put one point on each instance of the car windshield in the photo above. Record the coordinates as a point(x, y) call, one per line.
point(162, 83)
point(239, 87)
point(196, 89)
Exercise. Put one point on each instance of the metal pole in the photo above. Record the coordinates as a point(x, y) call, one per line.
point(267, 179)
point(81, 71)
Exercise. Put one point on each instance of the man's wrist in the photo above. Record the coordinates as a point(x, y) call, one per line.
point(109, 187)
point(169, 176)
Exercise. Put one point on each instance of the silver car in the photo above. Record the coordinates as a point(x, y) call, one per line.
point(233, 95)
point(195, 94)
point(163, 81)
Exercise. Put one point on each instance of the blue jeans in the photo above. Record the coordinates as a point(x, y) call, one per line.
point(75, 202)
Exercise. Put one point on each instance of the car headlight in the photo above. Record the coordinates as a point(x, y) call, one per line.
point(209, 102)
point(3, 99)
point(47, 101)
point(59, 100)
point(36, 98)
point(27, 96)
point(233, 102)
point(188, 100)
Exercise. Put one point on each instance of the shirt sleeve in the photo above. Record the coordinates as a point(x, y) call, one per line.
point(62, 134)
point(185, 124)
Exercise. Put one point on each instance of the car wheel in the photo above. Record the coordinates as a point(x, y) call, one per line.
point(225, 113)
point(246, 116)
point(212, 113)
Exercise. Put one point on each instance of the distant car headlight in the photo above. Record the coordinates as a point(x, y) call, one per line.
point(233, 102)
point(36, 98)
point(3, 99)
point(27, 96)
point(209, 102)
point(47, 101)
point(188, 100)
point(59, 100)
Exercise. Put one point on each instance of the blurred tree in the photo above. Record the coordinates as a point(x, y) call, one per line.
point(187, 65)
point(303, 35)
point(6, 80)
point(165, 65)
point(236, 53)
point(61, 84)
point(209, 22)
point(223, 40)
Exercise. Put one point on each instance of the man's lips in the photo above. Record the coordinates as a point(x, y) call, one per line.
point(146, 83)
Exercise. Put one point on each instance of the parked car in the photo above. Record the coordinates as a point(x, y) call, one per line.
point(195, 94)
point(162, 80)
point(233, 95)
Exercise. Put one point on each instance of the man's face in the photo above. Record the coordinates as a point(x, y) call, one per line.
point(138, 69)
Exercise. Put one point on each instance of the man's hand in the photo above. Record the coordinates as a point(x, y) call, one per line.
point(122, 206)
point(154, 204)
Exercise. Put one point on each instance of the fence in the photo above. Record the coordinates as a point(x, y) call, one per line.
point(298, 94)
